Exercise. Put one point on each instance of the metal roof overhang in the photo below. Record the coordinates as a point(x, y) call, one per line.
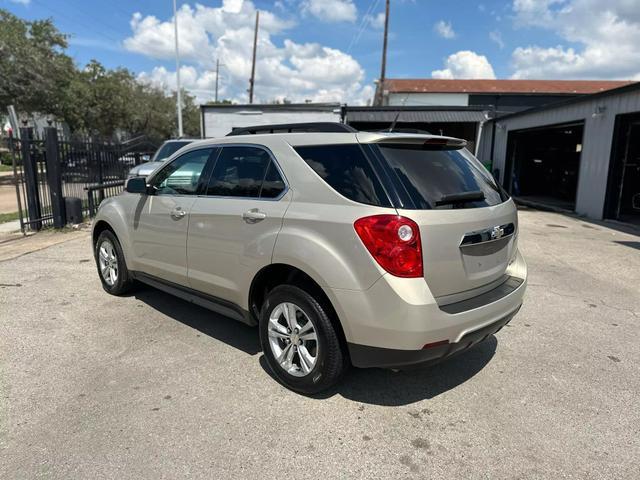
point(415, 116)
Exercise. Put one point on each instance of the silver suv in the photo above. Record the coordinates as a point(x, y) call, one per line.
point(165, 151)
point(344, 248)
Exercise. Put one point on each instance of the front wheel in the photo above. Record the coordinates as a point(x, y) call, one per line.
point(299, 341)
point(112, 268)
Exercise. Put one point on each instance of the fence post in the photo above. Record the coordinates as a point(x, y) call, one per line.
point(54, 177)
point(100, 157)
point(31, 178)
point(92, 206)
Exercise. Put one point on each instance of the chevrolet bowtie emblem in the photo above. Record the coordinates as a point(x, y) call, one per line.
point(497, 232)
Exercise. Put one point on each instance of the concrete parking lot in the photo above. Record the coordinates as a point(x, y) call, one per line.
point(148, 386)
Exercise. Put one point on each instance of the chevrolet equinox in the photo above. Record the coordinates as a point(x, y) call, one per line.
point(344, 248)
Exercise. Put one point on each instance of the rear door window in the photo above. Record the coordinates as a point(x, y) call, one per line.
point(245, 172)
point(347, 170)
point(273, 185)
point(441, 178)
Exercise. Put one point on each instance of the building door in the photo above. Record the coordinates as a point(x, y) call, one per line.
point(543, 165)
point(623, 188)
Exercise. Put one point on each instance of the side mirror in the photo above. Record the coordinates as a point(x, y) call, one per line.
point(136, 185)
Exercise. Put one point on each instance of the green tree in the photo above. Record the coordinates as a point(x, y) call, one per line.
point(33, 66)
point(37, 76)
point(190, 115)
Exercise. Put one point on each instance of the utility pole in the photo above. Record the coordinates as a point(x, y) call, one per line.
point(383, 69)
point(178, 94)
point(217, 75)
point(253, 62)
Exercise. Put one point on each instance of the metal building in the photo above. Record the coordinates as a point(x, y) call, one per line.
point(452, 121)
point(582, 154)
point(220, 119)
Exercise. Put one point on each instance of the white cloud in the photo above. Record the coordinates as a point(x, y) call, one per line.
point(444, 29)
point(291, 70)
point(331, 10)
point(376, 21)
point(232, 6)
point(496, 37)
point(21, 2)
point(534, 12)
point(199, 84)
point(465, 64)
point(602, 39)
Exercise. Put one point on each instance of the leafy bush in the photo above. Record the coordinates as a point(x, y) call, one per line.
point(5, 158)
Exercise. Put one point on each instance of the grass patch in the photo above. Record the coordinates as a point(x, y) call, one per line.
point(9, 217)
point(6, 168)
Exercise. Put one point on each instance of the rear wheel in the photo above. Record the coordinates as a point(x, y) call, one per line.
point(299, 341)
point(112, 268)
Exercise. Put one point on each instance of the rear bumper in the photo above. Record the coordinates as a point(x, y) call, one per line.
point(391, 322)
point(366, 356)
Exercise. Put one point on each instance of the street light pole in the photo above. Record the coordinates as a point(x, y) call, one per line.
point(178, 93)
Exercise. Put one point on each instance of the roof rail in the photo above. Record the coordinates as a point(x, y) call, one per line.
point(324, 127)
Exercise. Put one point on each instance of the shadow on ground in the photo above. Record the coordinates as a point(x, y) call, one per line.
point(371, 386)
point(227, 330)
point(377, 386)
point(635, 245)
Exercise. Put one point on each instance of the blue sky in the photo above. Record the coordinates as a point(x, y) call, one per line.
point(330, 49)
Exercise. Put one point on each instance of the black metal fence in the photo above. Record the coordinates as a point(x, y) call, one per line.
point(50, 169)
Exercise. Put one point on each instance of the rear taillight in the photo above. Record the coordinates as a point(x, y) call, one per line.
point(394, 242)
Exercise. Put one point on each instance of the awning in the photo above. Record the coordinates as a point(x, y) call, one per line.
point(415, 116)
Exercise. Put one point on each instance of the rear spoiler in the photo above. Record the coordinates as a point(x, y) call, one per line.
point(413, 139)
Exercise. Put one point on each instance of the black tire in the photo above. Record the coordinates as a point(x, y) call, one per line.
point(123, 283)
point(330, 360)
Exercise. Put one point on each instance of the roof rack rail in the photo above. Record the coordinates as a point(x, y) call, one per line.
point(324, 127)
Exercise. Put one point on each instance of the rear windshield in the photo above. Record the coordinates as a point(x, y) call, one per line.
point(440, 178)
point(347, 170)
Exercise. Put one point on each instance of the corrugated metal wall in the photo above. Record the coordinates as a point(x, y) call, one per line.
point(219, 123)
point(596, 147)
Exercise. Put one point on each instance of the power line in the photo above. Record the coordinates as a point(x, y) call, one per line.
point(363, 24)
point(77, 21)
point(95, 21)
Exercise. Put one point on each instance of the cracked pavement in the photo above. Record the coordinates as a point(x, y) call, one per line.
point(148, 386)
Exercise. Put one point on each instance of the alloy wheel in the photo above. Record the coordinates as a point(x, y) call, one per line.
point(293, 339)
point(108, 262)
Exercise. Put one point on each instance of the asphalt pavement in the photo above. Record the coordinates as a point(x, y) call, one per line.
point(149, 386)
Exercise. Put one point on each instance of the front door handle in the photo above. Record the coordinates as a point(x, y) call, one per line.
point(254, 216)
point(177, 213)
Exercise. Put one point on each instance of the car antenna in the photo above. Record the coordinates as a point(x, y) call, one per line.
point(393, 124)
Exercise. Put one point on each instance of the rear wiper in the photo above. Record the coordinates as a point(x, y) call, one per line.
point(461, 198)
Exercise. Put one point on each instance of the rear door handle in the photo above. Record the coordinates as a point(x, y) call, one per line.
point(254, 216)
point(177, 213)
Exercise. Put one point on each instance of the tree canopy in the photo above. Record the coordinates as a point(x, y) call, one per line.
point(37, 76)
